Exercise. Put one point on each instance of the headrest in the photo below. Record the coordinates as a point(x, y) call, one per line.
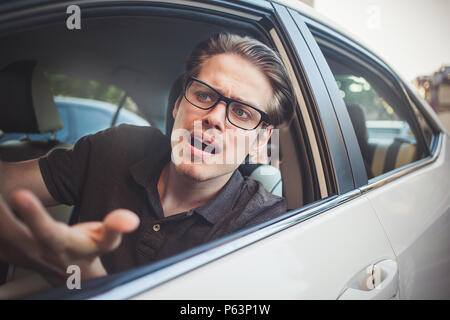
point(358, 119)
point(173, 95)
point(27, 104)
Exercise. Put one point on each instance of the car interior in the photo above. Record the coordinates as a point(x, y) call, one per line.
point(141, 52)
point(379, 156)
point(32, 110)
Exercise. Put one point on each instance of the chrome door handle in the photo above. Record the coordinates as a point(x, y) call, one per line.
point(377, 281)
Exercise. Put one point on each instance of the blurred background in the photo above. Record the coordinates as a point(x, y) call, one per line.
point(410, 35)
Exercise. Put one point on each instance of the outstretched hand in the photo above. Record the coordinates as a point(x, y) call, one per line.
point(35, 240)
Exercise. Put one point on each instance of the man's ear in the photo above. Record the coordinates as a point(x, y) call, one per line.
point(176, 107)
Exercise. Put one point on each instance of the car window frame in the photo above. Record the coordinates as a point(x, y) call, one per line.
point(328, 131)
point(355, 159)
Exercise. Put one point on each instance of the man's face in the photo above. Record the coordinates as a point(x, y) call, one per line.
point(234, 77)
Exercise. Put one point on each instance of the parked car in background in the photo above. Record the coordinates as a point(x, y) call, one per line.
point(369, 201)
point(81, 117)
point(384, 131)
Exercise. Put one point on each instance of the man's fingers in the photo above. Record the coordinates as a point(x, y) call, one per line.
point(115, 223)
point(8, 222)
point(55, 244)
point(34, 215)
point(82, 240)
point(17, 241)
point(93, 238)
point(121, 220)
point(13, 233)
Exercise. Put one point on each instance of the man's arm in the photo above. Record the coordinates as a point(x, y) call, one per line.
point(24, 175)
point(33, 239)
point(30, 237)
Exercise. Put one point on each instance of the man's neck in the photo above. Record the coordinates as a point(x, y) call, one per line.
point(179, 192)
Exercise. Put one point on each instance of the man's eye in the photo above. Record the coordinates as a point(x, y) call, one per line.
point(203, 96)
point(241, 113)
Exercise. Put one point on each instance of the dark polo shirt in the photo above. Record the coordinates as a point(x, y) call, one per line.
point(120, 167)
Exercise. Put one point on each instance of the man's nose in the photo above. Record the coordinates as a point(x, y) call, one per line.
point(216, 117)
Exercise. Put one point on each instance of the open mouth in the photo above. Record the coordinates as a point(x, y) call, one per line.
point(204, 145)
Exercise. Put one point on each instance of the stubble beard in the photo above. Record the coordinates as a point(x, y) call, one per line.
point(198, 173)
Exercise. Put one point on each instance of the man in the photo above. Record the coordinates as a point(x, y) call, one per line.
point(155, 196)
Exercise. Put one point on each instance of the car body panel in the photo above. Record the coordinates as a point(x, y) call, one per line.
point(311, 260)
point(415, 212)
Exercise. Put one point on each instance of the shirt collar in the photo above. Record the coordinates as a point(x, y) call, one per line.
point(147, 171)
point(224, 201)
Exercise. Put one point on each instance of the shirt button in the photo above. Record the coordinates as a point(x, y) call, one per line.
point(156, 227)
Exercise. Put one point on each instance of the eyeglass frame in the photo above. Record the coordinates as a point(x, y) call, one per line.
point(264, 116)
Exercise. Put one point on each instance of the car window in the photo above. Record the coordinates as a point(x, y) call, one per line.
point(382, 122)
point(70, 86)
point(85, 107)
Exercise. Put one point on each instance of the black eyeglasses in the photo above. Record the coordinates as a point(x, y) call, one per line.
point(240, 114)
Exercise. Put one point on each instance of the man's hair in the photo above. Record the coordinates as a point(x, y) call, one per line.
point(281, 108)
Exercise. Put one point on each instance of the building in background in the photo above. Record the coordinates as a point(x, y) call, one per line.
point(436, 88)
point(308, 2)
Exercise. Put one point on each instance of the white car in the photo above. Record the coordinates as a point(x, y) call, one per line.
point(81, 117)
point(367, 219)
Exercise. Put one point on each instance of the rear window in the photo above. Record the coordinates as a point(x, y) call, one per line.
point(85, 107)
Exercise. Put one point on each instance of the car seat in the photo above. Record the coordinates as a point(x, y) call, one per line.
point(267, 175)
point(27, 107)
point(379, 158)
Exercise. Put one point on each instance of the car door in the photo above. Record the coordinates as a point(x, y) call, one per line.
point(332, 248)
point(408, 188)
